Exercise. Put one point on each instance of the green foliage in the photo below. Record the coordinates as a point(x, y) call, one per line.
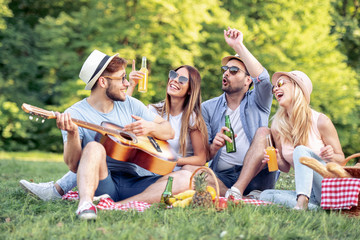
point(24, 217)
point(46, 42)
point(4, 12)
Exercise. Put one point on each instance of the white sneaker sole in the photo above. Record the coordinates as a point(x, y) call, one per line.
point(98, 198)
point(23, 185)
point(87, 216)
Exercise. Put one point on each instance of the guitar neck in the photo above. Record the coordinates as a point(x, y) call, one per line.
point(94, 127)
point(51, 115)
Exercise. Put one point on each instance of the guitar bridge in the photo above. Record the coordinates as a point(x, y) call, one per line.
point(154, 143)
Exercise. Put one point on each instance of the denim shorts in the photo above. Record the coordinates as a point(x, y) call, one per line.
point(122, 185)
point(264, 179)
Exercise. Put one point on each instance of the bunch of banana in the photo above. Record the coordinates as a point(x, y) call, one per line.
point(182, 199)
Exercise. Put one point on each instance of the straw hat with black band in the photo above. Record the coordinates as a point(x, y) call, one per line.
point(93, 67)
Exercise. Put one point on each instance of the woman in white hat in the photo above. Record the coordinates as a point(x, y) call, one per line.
point(299, 131)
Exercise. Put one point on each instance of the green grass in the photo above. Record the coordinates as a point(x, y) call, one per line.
point(24, 217)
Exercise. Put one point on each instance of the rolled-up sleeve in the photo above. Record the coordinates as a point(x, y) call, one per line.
point(263, 91)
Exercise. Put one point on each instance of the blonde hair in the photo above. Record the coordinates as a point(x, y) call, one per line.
point(192, 105)
point(295, 128)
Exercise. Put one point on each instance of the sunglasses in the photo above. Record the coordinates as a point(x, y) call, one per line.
point(173, 75)
point(123, 78)
point(280, 83)
point(233, 70)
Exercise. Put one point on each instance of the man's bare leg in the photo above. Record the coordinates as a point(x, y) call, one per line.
point(153, 193)
point(91, 169)
point(253, 160)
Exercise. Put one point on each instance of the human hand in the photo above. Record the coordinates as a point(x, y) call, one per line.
point(135, 76)
point(64, 122)
point(327, 153)
point(233, 37)
point(220, 138)
point(140, 127)
point(267, 157)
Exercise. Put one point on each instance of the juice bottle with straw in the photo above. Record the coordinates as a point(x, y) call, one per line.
point(270, 150)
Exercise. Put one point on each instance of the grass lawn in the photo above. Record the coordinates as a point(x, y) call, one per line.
point(24, 217)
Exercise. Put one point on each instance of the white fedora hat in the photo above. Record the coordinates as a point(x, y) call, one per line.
point(93, 67)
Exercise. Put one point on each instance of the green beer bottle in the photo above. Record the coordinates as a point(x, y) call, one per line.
point(230, 146)
point(167, 192)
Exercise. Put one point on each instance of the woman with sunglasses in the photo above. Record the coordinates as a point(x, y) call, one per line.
point(299, 131)
point(182, 108)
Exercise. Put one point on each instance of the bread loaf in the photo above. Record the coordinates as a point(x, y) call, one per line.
point(338, 170)
point(317, 166)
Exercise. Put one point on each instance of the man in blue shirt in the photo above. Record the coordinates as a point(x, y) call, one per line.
point(243, 171)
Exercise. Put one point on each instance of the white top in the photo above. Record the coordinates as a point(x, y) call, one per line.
point(315, 141)
point(175, 122)
point(228, 160)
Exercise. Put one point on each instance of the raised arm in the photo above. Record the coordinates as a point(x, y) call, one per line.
point(234, 38)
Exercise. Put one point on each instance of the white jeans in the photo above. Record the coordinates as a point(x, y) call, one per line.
point(307, 182)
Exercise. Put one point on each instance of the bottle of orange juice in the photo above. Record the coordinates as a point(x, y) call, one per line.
point(144, 81)
point(270, 150)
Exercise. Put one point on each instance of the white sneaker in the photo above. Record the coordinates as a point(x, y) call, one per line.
point(87, 211)
point(254, 194)
point(98, 198)
point(42, 191)
point(234, 192)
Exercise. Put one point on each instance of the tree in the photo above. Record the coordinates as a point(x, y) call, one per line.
point(46, 42)
point(295, 35)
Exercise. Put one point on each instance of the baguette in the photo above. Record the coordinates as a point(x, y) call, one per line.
point(338, 170)
point(317, 166)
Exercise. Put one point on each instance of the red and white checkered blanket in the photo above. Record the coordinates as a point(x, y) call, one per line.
point(340, 193)
point(109, 204)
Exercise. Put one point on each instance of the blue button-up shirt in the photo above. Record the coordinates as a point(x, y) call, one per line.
point(254, 111)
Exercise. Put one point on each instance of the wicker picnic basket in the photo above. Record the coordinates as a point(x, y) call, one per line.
point(206, 169)
point(355, 172)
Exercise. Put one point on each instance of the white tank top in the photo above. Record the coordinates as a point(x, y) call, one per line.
point(315, 141)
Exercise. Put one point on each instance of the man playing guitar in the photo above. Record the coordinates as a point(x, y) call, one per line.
point(97, 173)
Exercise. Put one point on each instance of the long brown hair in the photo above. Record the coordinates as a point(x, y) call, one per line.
point(192, 105)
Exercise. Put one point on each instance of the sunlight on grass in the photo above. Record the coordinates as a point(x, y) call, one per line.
point(35, 156)
point(25, 217)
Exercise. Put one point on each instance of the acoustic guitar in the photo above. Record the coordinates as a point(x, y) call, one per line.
point(145, 151)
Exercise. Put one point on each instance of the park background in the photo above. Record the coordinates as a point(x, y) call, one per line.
point(44, 43)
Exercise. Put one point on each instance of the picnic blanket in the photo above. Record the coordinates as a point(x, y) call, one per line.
point(340, 193)
point(109, 204)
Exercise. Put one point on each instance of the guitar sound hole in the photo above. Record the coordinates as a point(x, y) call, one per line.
point(126, 136)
